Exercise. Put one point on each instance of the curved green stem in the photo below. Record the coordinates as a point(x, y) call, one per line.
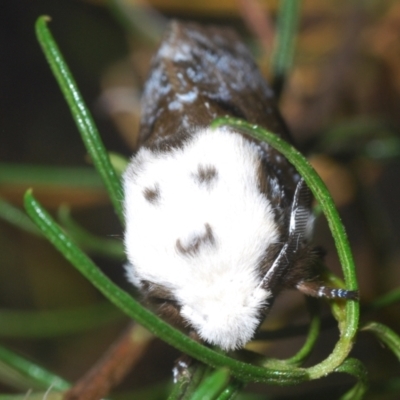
point(348, 328)
point(133, 309)
point(81, 114)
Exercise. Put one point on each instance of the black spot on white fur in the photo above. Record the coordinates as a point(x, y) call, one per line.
point(193, 246)
point(152, 195)
point(205, 175)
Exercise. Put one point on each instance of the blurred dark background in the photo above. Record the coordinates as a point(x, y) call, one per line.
point(342, 102)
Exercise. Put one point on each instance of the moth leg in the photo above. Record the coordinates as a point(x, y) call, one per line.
point(304, 257)
point(183, 363)
point(315, 289)
point(181, 367)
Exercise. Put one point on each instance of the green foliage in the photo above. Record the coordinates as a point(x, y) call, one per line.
point(81, 114)
point(216, 376)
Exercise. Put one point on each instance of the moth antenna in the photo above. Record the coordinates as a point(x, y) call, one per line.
point(315, 289)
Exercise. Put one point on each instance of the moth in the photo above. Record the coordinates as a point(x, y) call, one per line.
point(217, 223)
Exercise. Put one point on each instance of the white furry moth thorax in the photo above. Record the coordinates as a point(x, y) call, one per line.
point(218, 223)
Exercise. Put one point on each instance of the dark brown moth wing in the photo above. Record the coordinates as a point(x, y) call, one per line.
point(201, 73)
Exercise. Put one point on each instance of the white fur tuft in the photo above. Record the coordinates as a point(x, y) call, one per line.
point(203, 242)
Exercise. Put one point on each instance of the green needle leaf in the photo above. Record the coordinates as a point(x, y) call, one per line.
point(81, 114)
point(24, 374)
point(288, 20)
point(349, 326)
point(132, 308)
point(356, 368)
point(212, 386)
point(386, 335)
point(386, 299)
point(187, 383)
point(231, 391)
point(312, 336)
point(112, 248)
point(17, 217)
point(46, 324)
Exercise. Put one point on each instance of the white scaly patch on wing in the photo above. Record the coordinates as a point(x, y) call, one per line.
point(216, 285)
